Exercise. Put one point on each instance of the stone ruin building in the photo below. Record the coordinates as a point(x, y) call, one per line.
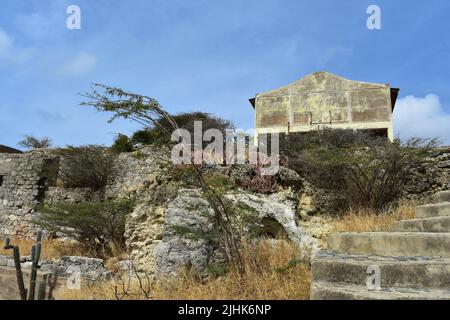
point(24, 180)
point(32, 178)
point(322, 100)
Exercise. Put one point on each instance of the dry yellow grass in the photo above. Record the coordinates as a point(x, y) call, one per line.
point(51, 249)
point(370, 220)
point(274, 271)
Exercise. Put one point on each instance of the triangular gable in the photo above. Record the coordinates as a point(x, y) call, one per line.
point(320, 82)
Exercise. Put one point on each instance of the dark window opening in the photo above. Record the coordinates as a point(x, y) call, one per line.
point(1, 181)
point(272, 229)
point(42, 188)
point(50, 172)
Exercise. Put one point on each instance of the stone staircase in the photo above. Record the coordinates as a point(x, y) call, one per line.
point(413, 259)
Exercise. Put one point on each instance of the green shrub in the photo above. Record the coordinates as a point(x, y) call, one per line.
point(86, 166)
point(98, 226)
point(144, 137)
point(356, 169)
point(158, 133)
point(122, 144)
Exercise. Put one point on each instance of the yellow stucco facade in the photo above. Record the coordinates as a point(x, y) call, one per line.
point(322, 100)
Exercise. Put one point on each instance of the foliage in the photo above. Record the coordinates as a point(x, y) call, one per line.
point(358, 170)
point(85, 166)
point(157, 134)
point(296, 146)
point(30, 142)
point(122, 144)
point(98, 226)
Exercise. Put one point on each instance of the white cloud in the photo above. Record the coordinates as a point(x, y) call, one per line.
point(422, 117)
point(332, 53)
point(81, 64)
point(38, 26)
point(10, 54)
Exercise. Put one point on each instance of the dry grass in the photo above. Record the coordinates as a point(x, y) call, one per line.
point(274, 271)
point(369, 220)
point(51, 249)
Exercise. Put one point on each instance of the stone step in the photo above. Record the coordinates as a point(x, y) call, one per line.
point(435, 224)
point(433, 210)
point(395, 272)
point(391, 243)
point(338, 291)
point(442, 196)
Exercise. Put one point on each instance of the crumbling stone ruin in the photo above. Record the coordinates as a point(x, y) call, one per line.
point(28, 179)
point(31, 178)
point(25, 179)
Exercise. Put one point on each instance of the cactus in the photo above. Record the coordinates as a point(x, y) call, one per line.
point(49, 281)
point(35, 256)
point(42, 287)
point(16, 256)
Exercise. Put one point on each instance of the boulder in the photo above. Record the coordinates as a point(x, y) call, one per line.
point(89, 268)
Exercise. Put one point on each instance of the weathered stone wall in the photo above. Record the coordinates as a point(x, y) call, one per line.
point(29, 179)
point(72, 195)
point(434, 175)
point(88, 269)
point(131, 172)
point(24, 179)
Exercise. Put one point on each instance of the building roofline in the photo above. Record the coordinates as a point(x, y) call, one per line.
point(6, 149)
point(394, 96)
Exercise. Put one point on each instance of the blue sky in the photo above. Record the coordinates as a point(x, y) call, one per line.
point(212, 56)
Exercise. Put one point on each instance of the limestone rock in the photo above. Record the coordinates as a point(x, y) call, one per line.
point(188, 221)
point(89, 268)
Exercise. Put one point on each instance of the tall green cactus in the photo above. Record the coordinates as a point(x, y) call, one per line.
point(35, 256)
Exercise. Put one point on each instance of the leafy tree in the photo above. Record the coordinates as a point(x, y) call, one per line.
point(30, 142)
